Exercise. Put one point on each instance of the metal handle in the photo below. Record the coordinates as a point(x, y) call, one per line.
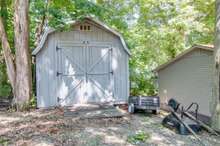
point(196, 108)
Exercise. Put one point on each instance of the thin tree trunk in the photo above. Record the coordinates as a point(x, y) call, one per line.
point(22, 53)
point(8, 56)
point(215, 104)
point(39, 30)
point(40, 26)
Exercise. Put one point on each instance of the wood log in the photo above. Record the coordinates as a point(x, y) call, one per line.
point(184, 124)
point(187, 127)
point(209, 129)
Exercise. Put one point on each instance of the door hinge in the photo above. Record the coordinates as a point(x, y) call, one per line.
point(58, 99)
point(57, 48)
point(58, 73)
point(85, 42)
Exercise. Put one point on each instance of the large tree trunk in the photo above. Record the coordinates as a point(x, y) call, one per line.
point(8, 56)
point(23, 59)
point(215, 104)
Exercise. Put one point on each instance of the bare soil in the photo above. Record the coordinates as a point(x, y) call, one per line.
point(52, 128)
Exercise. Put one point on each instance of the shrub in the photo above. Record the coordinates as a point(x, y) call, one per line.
point(139, 137)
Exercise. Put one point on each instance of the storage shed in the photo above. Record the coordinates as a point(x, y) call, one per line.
point(188, 78)
point(86, 64)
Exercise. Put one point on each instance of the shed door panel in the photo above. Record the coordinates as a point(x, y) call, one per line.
point(85, 74)
point(100, 75)
point(71, 74)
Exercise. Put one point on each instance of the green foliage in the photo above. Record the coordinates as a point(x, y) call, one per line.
point(33, 102)
point(139, 137)
point(164, 28)
point(3, 142)
point(155, 30)
point(5, 88)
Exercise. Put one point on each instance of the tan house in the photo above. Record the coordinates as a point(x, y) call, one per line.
point(188, 78)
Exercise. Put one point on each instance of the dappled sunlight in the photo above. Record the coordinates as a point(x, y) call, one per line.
point(42, 143)
point(51, 127)
point(39, 113)
point(108, 138)
point(70, 68)
point(5, 119)
point(114, 63)
point(63, 91)
point(85, 81)
point(104, 51)
point(161, 139)
point(5, 130)
point(157, 137)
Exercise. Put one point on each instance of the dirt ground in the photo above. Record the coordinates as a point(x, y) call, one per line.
point(50, 127)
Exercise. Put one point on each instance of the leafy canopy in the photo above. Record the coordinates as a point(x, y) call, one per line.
point(155, 30)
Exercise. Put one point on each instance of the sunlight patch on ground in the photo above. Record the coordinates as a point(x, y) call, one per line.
point(50, 127)
point(7, 119)
point(37, 142)
point(157, 137)
point(5, 130)
point(107, 136)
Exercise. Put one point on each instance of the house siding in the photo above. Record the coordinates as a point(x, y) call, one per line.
point(188, 80)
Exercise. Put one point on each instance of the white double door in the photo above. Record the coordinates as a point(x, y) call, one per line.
point(84, 73)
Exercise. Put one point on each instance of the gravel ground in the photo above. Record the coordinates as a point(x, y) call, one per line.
point(50, 127)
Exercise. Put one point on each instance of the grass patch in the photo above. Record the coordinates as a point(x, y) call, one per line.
point(139, 137)
point(4, 142)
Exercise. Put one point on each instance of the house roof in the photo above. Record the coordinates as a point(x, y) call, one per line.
point(51, 30)
point(194, 47)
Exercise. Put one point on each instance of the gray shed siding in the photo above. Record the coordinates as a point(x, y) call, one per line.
point(47, 65)
point(188, 80)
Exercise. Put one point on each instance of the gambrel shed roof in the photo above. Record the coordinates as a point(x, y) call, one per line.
point(52, 30)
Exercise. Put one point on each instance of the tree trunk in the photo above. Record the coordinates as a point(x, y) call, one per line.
point(23, 58)
point(8, 56)
point(215, 104)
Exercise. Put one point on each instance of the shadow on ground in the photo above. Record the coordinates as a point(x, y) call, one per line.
point(51, 127)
